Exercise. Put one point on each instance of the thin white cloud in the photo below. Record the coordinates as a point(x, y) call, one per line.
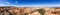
point(2, 3)
point(58, 5)
point(16, 2)
point(7, 3)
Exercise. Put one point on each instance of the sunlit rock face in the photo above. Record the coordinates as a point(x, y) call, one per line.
point(6, 10)
point(35, 13)
point(48, 11)
point(52, 11)
point(29, 11)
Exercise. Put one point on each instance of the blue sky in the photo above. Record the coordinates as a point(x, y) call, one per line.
point(50, 3)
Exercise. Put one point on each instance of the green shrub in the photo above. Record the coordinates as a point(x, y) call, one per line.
point(42, 11)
